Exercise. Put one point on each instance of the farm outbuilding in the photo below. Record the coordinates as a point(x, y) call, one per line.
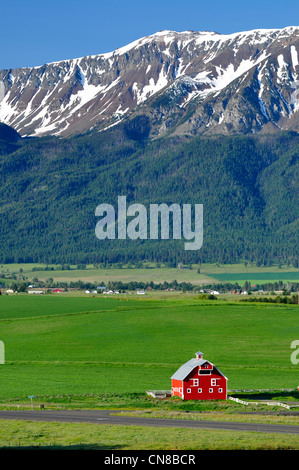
point(199, 379)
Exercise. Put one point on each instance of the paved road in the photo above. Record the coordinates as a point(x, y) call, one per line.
point(105, 417)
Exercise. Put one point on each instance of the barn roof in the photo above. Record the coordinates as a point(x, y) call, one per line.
point(188, 367)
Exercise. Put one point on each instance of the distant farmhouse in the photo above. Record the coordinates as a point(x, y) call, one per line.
point(199, 379)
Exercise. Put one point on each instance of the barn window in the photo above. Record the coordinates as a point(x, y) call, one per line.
point(210, 390)
point(220, 390)
point(213, 382)
point(188, 390)
point(195, 382)
point(200, 390)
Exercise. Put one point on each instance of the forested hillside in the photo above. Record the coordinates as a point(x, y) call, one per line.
point(50, 188)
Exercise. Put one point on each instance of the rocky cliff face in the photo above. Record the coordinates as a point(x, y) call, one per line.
point(186, 83)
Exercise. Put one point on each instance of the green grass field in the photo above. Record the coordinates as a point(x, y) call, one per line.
point(84, 345)
point(209, 273)
point(257, 277)
point(84, 436)
point(78, 351)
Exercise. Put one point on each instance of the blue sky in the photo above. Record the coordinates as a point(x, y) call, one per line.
point(36, 32)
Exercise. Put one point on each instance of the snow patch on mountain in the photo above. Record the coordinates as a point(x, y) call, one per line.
point(260, 94)
point(294, 55)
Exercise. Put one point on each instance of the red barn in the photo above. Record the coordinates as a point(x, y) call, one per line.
point(199, 379)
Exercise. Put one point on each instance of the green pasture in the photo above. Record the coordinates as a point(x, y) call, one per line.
point(258, 277)
point(83, 345)
point(209, 273)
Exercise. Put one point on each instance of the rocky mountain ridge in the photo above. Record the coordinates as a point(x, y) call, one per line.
point(183, 82)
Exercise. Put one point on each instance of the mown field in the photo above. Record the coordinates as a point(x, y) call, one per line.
point(209, 273)
point(89, 345)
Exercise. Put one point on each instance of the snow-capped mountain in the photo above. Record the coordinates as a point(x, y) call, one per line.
point(185, 82)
